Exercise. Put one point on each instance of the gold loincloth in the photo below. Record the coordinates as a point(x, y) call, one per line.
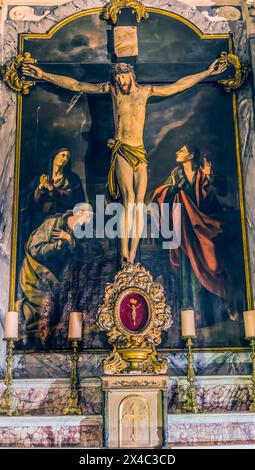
point(134, 156)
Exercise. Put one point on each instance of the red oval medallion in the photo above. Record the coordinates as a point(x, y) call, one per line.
point(134, 311)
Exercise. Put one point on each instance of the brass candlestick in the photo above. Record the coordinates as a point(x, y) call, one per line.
point(252, 345)
point(7, 408)
point(73, 407)
point(191, 403)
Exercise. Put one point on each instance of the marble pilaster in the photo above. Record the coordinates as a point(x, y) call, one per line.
point(64, 431)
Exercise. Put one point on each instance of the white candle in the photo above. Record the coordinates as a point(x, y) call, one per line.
point(75, 325)
point(249, 323)
point(11, 325)
point(188, 323)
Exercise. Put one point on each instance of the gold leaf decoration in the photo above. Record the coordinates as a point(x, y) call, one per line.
point(114, 7)
point(11, 76)
point(241, 72)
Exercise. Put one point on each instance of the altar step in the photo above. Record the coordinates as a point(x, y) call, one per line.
point(185, 431)
point(39, 420)
point(49, 396)
point(211, 429)
point(51, 431)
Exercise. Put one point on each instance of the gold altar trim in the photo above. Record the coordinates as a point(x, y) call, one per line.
point(13, 267)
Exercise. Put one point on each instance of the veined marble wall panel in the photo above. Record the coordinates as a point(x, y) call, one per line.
point(211, 429)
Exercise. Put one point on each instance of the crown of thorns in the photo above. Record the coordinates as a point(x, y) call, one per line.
point(122, 68)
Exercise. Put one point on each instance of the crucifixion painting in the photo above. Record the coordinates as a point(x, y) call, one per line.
point(99, 124)
point(128, 168)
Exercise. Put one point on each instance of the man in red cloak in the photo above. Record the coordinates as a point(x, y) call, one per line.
point(198, 259)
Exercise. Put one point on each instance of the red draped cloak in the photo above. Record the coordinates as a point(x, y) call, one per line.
point(199, 231)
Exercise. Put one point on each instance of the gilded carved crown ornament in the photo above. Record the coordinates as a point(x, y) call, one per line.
point(115, 7)
point(12, 76)
point(241, 72)
point(134, 314)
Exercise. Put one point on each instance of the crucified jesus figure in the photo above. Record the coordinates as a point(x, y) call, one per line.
point(128, 170)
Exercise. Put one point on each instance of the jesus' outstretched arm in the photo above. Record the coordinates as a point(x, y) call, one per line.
point(216, 68)
point(65, 82)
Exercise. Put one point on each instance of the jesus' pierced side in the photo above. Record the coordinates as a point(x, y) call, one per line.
point(128, 171)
